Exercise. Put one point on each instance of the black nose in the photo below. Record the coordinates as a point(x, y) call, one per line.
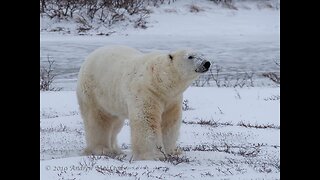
point(207, 65)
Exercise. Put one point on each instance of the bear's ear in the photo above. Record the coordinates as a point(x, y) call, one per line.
point(171, 57)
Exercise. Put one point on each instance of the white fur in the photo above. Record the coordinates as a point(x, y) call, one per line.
point(119, 82)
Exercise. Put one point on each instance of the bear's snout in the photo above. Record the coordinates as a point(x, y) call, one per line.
point(204, 67)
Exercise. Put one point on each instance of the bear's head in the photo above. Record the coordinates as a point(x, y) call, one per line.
point(188, 63)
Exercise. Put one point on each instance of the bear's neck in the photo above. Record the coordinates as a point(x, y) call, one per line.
point(166, 81)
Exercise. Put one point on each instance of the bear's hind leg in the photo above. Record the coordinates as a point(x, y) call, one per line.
point(98, 129)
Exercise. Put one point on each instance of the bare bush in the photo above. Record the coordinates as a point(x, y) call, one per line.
point(221, 1)
point(60, 8)
point(263, 126)
point(42, 6)
point(156, 3)
point(83, 24)
point(47, 76)
point(272, 98)
point(141, 21)
point(211, 122)
point(216, 77)
point(211, 75)
point(251, 150)
point(105, 13)
point(185, 105)
point(195, 9)
point(273, 76)
point(173, 159)
point(271, 4)
point(134, 7)
point(115, 170)
point(91, 7)
point(246, 79)
point(226, 3)
point(216, 123)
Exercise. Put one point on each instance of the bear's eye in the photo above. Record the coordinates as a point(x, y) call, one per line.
point(190, 57)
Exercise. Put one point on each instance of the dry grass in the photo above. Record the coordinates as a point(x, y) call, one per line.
point(195, 9)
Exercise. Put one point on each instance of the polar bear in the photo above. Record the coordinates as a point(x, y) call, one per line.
point(117, 83)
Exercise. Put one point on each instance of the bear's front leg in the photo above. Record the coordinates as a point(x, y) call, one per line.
point(171, 122)
point(146, 134)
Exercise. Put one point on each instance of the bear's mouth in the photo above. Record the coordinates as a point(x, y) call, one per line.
point(204, 67)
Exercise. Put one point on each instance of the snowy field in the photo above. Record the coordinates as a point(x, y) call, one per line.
point(226, 133)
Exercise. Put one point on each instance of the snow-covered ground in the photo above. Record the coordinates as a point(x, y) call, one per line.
point(226, 133)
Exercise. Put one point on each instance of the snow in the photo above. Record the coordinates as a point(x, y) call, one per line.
point(227, 133)
point(224, 150)
point(213, 20)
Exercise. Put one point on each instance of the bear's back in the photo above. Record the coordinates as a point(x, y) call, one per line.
point(121, 52)
point(110, 59)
